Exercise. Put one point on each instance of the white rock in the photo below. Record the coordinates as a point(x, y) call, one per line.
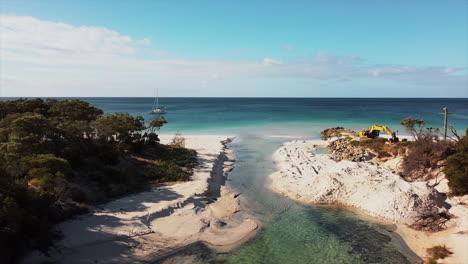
point(319, 179)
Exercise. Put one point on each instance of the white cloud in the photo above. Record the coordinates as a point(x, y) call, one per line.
point(35, 36)
point(269, 62)
point(40, 54)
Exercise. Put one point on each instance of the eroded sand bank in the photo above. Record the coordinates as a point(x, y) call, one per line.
point(314, 178)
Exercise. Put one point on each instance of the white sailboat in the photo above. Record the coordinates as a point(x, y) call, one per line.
point(156, 109)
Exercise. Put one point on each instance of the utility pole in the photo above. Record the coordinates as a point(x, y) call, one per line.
point(445, 121)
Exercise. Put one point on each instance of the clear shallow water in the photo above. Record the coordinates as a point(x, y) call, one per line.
point(292, 232)
point(296, 233)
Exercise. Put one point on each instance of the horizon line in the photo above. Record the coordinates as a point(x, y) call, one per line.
point(240, 97)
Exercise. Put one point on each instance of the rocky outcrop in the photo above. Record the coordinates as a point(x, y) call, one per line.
point(342, 149)
point(335, 132)
point(318, 179)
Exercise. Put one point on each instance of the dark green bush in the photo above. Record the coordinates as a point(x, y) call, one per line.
point(57, 154)
point(169, 171)
point(181, 156)
point(456, 170)
point(72, 110)
point(26, 219)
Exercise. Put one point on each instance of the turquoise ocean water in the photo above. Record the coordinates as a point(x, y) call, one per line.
point(288, 116)
point(292, 232)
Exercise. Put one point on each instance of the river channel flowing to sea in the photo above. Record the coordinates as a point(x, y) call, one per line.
point(292, 232)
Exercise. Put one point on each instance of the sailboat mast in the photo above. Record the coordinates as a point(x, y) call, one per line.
point(154, 102)
point(157, 98)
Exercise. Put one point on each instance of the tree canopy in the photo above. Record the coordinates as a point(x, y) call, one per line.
point(57, 156)
point(157, 123)
point(457, 168)
point(413, 126)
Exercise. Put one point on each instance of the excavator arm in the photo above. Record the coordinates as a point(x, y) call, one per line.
point(380, 128)
point(374, 132)
point(386, 129)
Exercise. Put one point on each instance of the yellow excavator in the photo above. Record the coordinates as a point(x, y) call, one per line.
point(374, 132)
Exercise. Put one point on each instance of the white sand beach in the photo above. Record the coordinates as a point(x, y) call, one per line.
point(314, 178)
point(455, 237)
point(145, 226)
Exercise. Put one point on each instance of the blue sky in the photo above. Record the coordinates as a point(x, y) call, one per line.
point(234, 48)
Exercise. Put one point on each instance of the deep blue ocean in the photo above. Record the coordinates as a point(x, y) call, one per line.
point(292, 232)
point(288, 116)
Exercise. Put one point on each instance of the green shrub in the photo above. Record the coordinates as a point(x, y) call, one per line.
point(377, 145)
point(179, 155)
point(26, 219)
point(57, 154)
point(182, 156)
point(169, 171)
point(413, 126)
point(456, 170)
point(73, 110)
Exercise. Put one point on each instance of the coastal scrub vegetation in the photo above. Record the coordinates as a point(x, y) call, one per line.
point(58, 156)
point(456, 169)
point(414, 126)
point(336, 132)
point(178, 140)
point(437, 252)
point(428, 157)
point(377, 145)
point(380, 147)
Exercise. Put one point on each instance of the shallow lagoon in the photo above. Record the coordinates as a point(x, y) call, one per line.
point(293, 232)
